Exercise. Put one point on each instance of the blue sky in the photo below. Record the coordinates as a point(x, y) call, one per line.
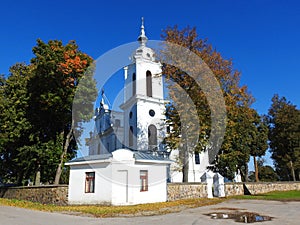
point(261, 36)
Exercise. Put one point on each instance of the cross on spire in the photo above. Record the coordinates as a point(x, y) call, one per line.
point(142, 38)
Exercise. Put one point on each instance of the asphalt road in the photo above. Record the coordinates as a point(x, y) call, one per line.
point(283, 213)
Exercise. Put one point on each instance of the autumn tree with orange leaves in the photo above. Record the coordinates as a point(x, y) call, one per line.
point(57, 71)
point(234, 152)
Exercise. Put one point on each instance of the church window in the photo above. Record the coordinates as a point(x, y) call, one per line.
point(117, 123)
point(130, 115)
point(168, 129)
point(90, 182)
point(197, 158)
point(99, 148)
point(149, 83)
point(151, 112)
point(152, 137)
point(144, 180)
point(131, 136)
point(133, 84)
point(115, 141)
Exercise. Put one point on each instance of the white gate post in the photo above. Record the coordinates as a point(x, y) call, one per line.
point(207, 178)
point(219, 185)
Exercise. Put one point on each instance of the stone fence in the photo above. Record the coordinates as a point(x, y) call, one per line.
point(48, 194)
point(264, 187)
point(186, 190)
point(58, 195)
point(198, 190)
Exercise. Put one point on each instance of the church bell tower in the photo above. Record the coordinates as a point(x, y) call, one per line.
point(144, 105)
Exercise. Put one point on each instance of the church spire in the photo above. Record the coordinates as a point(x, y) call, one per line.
point(142, 38)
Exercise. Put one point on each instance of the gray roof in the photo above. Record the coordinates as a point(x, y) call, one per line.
point(139, 155)
point(91, 157)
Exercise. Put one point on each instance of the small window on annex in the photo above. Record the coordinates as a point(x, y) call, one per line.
point(144, 180)
point(90, 182)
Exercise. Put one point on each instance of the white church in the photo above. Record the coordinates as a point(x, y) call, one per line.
point(128, 162)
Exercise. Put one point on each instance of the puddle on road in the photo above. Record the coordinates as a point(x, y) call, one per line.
point(241, 217)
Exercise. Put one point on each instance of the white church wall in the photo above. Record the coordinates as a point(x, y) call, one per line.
point(144, 120)
point(102, 191)
point(195, 170)
point(142, 66)
point(123, 177)
point(126, 183)
point(127, 191)
point(157, 191)
point(128, 74)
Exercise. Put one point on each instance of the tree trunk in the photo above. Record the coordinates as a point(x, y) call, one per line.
point(246, 172)
point(63, 154)
point(185, 170)
point(20, 178)
point(256, 169)
point(185, 167)
point(293, 171)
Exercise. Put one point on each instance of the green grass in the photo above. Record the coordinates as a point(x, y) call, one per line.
point(275, 195)
point(111, 211)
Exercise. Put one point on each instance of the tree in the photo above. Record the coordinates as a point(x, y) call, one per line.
point(266, 172)
point(15, 128)
point(284, 136)
point(37, 123)
point(234, 151)
point(259, 144)
point(238, 141)
point(57, 72)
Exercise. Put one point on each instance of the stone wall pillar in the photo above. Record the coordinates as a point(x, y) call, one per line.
point(207, 178)
point(219, 185)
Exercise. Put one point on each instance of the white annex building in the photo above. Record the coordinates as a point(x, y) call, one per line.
point(128, 162)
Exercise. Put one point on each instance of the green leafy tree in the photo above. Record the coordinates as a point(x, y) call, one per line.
point(15, 128)
point(238, 141)
point(235, 151)
point(265, 172)
point(284, 137)
point(259, 144)
point(37, 125)
point(57, 72)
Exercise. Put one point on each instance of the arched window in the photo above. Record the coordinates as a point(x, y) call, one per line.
point(197, 157)
point(152, 137)
point(149, 83)
point(98, 152)
point(131, 136)
point(133, 84)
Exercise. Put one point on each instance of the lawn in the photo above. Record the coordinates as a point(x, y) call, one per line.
point(276, 195)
